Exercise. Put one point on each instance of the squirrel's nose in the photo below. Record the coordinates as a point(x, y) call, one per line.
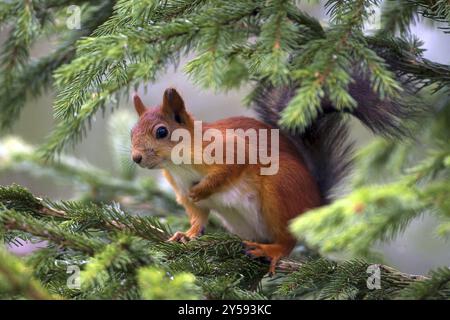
point(137, 158)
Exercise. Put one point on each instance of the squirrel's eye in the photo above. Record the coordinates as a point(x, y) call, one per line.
point(161, 132)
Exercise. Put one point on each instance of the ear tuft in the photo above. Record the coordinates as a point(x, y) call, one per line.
point(172, 102)
point(138, 104)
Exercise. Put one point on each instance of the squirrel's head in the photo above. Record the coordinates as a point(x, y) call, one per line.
point(150, 138)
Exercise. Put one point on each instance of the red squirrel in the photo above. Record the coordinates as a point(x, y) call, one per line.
point(253, 206)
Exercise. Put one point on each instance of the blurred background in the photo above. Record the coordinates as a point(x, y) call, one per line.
point(416, 251)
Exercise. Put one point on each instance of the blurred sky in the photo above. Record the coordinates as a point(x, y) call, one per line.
point(416, 251)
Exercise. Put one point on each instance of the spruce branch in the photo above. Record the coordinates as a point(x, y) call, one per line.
point(21, 221)
point(112, 217)
point(32, 78)
point(356, 221)
point(217, 261)
point(379, 212)
point(325, 279)
point(130, 14)
point(99, 268)
point(277, 41)
point(16, 49)
point(399, 15)
point(437, 286)
point(98, 54)
point(405, 59)
point(17, 279)
point(155, 283)
point(125, 43)
point(437, 10)
point(139, 39)
point(324, 66)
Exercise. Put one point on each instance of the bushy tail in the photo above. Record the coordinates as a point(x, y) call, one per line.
point(325, 145)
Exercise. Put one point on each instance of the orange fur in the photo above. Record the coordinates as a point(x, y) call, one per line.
point(281, 197)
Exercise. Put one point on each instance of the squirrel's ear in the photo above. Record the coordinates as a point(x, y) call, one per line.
point(138, 104)
point(173, 104)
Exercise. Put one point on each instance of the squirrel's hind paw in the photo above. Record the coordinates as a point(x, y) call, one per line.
point(272, 251)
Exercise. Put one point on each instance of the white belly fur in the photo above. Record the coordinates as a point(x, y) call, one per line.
point(238, 206)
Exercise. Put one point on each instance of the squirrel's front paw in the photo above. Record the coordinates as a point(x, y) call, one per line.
point(196, 193)
point(179, 237)
point(184, 237)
